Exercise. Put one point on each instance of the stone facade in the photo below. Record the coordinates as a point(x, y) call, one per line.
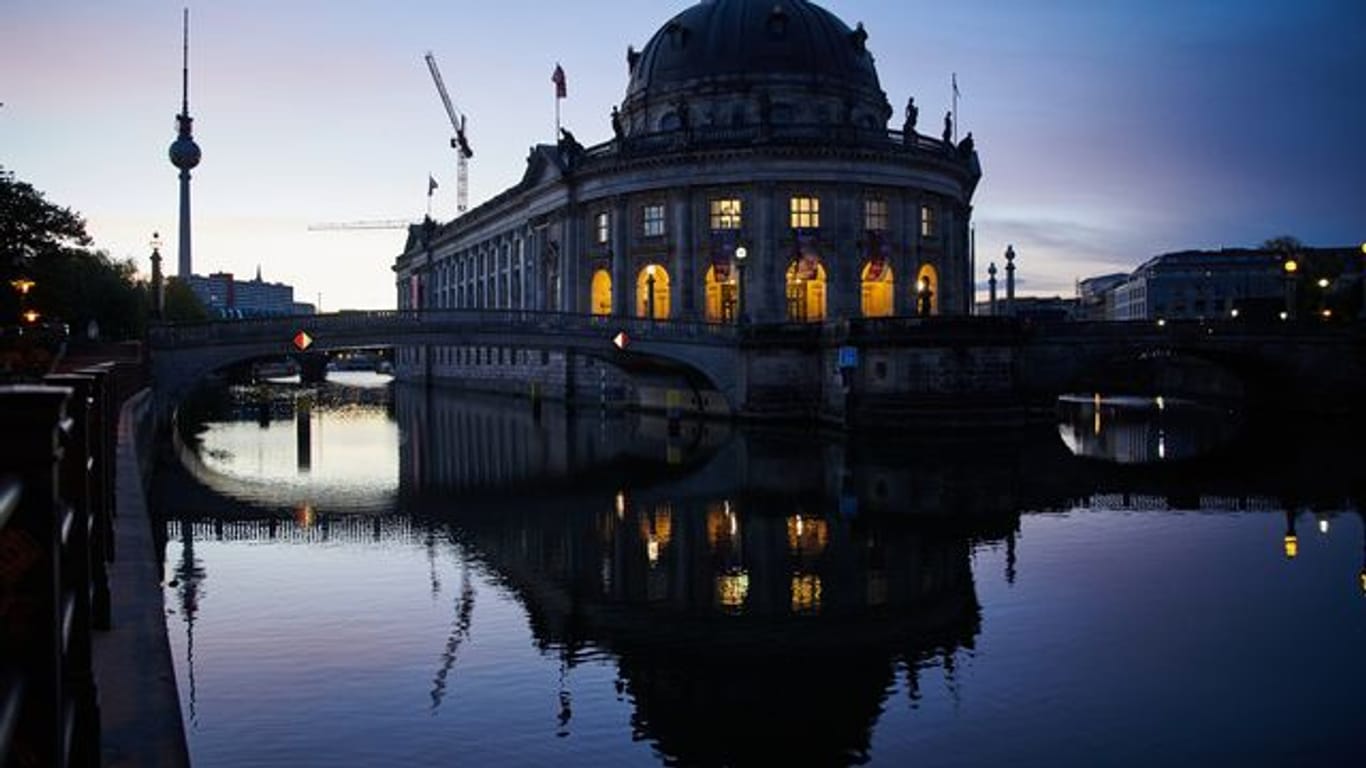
point(748, 127)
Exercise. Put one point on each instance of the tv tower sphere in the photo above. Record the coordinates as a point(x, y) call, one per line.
point(184, 151)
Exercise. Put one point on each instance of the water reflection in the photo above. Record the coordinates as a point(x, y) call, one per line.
point(1137, 430)
point(767, 596)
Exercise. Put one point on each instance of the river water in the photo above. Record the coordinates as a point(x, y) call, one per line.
point(368, 574)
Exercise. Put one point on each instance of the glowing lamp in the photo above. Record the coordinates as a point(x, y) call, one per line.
point(1234, 314)
point(1292, 266)
point(31, 316)
point(1292, 546)
point(23, 285)
point(741, 253)
point(1284, 314)
point(1323, 282)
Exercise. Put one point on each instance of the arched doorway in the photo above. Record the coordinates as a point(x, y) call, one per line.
point(806, 291)
point(878, 295)
point(602, 292)
point(652, 292)
point(927, 291)
point(723, 294)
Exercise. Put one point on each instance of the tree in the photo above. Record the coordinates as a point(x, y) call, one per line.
point(181, 305)
point(31, 226)
point(1283, 244)
point(73, 283)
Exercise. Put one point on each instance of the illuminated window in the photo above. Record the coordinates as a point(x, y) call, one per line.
point(732, 590)
point(806, 593)
point(875, 215)
point(726, 213)
point(927, 221)
point(601, 226)
point(806, 212)
point(653, 221)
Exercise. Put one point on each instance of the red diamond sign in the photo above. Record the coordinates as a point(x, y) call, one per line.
point(302, 341)
point(621, 340)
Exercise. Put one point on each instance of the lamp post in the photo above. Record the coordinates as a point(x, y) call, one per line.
point(650, 292)
point(1324, 311)
point(1362, 279)
point(1292, 269)
point(741, 253)
point(922, 297)
point(158, 295)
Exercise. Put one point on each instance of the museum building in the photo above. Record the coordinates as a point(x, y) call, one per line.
point(752, 175)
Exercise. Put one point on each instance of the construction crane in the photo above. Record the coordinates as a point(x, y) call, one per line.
point(376, 224)
point(460, 144)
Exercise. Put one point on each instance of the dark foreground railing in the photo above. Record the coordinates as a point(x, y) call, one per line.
point(57, 443)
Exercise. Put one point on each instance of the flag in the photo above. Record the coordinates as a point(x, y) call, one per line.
point(431, 185)
point(955, 85)
point(561, 88)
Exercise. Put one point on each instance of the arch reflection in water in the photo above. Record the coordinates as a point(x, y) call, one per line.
point(1140, 430)
point(284, 446)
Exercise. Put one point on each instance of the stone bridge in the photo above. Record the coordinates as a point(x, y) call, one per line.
point(706, 354)
point(900, 366)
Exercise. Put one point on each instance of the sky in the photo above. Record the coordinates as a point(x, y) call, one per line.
point(1109, 131)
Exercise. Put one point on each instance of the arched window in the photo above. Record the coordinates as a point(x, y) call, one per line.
point(878, 291)
point(652, 292)
point(806, 290)
point(927, 291)
point(602, 292)
point(723, 295)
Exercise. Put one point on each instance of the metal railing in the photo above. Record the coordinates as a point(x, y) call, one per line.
point(56, 510)
point(509, 321)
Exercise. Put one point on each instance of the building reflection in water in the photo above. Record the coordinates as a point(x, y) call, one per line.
point(744, 598)
point(764, 596)
point(1134, 430)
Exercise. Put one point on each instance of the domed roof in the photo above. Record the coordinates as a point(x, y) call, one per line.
point(750, 40)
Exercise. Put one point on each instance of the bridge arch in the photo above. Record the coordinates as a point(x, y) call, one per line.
point(706, 354)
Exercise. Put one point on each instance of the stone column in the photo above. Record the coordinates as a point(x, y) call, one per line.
point(902, 236)
point(843, 284)
point(571, 257)
point(1010, 280)
point(765, 294)
point(683, 299)
point(538, 249)
point(991, 289)
point(621, 263)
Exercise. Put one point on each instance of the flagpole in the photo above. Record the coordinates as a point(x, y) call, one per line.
point(955, 107)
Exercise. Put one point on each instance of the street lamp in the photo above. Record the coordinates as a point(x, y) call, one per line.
point(922, 299)
point(1292, 269)
point(23, 285)
point(741, 253)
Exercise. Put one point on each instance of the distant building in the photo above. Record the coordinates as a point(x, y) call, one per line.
point(224, 296)
point(1210, 284)
point(1095, 294)
point(1038, 308)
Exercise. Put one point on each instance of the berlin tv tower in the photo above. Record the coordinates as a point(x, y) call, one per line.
point(184, 152)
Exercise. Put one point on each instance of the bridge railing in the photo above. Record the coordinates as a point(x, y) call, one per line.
point(409, 320)
point(51, 714)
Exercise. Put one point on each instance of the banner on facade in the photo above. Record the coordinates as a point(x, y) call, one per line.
point(722, 251)
point(878, 254)
point(806, 256)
